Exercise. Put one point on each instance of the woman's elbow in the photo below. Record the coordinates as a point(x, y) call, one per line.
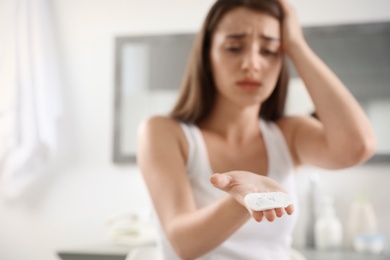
point(352, 153)
point(182, 251)
point(184, 254)
point(363, 150)
point(181, 247)
point(367, 148)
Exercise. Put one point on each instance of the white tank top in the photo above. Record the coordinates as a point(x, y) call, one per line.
point(253, 241)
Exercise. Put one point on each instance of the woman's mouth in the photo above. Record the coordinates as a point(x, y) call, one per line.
point(249, 84)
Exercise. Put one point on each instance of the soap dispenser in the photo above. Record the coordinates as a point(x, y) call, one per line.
point(328, 231)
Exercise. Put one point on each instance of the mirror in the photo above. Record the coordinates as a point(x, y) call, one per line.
point(148, 74)
point(149, 70)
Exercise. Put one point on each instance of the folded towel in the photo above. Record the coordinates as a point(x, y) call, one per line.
point(131, 228)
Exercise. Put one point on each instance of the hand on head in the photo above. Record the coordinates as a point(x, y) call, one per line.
point(291, 29)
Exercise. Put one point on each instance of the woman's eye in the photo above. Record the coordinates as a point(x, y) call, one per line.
point(268, 52)
point(234, 49)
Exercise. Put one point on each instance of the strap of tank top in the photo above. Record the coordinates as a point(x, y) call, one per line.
point(189, 133)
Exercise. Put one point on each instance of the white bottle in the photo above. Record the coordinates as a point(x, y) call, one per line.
point(328, 232)
point(361, 220)
point(313, 200)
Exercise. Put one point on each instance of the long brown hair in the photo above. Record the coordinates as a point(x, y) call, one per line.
point(198, 91)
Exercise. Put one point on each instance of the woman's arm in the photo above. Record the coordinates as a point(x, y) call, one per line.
point(193, 231)
point(343, 135)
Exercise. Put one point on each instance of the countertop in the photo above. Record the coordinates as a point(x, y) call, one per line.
point(105, 251)
point(312, 254)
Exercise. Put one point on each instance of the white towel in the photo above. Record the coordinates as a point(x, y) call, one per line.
point(30, 95)
point(132, 228)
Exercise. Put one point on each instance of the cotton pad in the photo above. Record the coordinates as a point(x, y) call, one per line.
point(267, 200)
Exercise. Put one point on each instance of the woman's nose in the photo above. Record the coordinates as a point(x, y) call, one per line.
point(251, 61)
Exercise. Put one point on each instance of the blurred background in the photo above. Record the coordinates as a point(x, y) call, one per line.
point(69, 191)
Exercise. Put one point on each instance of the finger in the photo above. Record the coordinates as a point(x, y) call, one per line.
point(258, 215)
point(270, 215)
point(283, 5)
point(279, 212)
point(220, 181)
point(290, 209)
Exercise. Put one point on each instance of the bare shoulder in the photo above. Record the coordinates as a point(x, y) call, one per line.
point(159, 124)
point(163, 132)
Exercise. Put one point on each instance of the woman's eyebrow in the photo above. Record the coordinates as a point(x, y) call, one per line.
point(269, 38)
point(243, 35)
point(236, 36)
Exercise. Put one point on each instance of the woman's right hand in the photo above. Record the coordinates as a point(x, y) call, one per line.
point(292, 34)
point(239, 183)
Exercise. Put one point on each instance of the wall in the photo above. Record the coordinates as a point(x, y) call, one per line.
point(69, 207)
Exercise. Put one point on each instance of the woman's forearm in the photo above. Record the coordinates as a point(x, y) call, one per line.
point(196, 233)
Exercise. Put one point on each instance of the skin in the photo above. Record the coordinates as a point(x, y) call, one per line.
point(341, 138)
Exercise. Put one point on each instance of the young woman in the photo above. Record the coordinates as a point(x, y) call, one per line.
point(227, 135)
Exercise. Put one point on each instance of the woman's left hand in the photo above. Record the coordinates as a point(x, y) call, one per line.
point(292, 34)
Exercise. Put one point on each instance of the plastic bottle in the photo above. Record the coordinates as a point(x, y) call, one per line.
point(362, 220)
point(313, 209)
point(328, 230)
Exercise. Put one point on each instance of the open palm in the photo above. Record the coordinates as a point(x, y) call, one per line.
point(240, 183)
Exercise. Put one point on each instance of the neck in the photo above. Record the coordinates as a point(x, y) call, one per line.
point(234, 123)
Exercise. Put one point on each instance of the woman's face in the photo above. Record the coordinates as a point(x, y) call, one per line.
point(246, 56)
